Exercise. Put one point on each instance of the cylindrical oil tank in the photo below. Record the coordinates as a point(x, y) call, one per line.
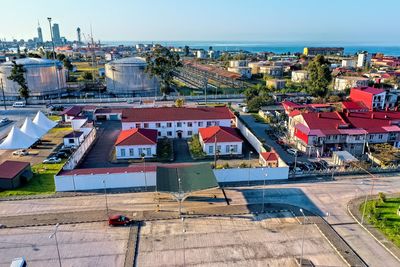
point(44, 77)
point(127, 77)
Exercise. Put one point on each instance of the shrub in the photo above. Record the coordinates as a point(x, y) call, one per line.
point(382, 197)
point(195, 147)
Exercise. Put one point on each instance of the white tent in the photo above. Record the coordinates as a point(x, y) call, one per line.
point(43, 122)
point(32, 129)
point(16, 139)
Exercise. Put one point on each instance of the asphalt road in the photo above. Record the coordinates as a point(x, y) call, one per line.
point(326, 198)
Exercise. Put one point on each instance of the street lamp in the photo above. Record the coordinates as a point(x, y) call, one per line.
point(105, 195)
point(54, 234)
point(250, 153)
point(302, 240)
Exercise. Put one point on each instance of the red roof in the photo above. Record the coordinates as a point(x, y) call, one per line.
point(370, 90)
point(327, 122)
point(10, 168)
point(72, 111)
point(108, 110)
point(222, 134)
point(175, 114)
point(289, 105)
point(137, 136)
point(351, 105)
point(269, 156)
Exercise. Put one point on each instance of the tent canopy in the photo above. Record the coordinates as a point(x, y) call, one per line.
point(16, 139)
point(192, 178)
point(33, 130)
point(42, 121)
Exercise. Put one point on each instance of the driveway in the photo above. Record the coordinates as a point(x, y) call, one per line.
point(181, 150)
point(99, 155)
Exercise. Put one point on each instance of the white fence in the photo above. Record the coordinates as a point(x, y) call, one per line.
point(251, 138)
point(80, 152)
point(139, 179)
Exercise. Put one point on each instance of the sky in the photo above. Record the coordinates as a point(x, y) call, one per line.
point(347, 21)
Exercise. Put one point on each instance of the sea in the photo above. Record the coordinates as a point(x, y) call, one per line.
point(275, 47)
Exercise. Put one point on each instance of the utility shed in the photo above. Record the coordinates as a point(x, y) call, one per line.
point(14, 173)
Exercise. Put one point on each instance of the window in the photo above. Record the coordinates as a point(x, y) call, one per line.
point(179, 124)
point(137, 125)
point(122, 152)
point(71, 141)
point(159, 134)
point(131, 153)
point(234, 148)
point(371, 137)
point(148, 151)
point(140, 151)
point(169, 124)
point(169, 133)
point(216, 123)
point(218, 148)
point(146, 125)
point(380, 136)
point(158, 125)
point(208, 123)
point(228, 149)
point(211, 149)
point(200, 123)
point(190, 133)
point(357, 137)
point(189, 124)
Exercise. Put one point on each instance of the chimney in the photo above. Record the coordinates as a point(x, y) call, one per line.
point(319, 115)
point(372, 115)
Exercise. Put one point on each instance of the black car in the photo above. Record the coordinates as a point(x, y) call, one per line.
point(62, 155)
point(66, 150)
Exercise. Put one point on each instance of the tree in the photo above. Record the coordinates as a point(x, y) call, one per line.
point(257, 102)
point(162, 63)
point(86, 76)
point(334, 98)
point(186, 50)
point(17, 75)
point(34, 55)
point(61, 57)
point(319, 77)
point(180, 102)
point(67, 64)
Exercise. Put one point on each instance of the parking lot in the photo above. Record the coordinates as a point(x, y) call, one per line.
point(88, 244)
point(272, 240)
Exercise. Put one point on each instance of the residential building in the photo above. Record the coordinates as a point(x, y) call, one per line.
point(245, 72)
point(14, 173)
point(274, 71)
point(347, 82)
point(269, 159)
point(238, 63)
point(71, 113)
point(224, 140)
point(74, 139)
point(173, 122)
point(255, 66)
point(136, 143)
point(349, 63)
point(276, 83)
point(363, 59)
point(352, 106)
point(325, 51)
point(299, 76)
point(372, 98)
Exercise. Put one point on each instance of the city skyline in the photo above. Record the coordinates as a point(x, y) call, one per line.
point(209, 21)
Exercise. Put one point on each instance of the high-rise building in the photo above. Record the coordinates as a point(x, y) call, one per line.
point(363, 59)
point(40, 35)
point(56, 33)
point(78, 33)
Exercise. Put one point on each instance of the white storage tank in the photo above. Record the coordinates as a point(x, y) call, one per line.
point(126, 77)
point(41, 77)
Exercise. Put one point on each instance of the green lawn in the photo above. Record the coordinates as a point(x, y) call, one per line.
point(41, 183)
point(383, 215)
point(54, 117)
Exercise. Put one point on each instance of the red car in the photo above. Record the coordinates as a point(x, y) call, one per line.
point(115, 220)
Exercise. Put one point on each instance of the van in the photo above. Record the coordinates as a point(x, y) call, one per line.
point(19, 104)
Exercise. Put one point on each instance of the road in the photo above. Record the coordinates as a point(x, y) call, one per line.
point(321, 197)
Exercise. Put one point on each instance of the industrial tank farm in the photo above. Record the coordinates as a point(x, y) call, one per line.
point(126, 77)
point(41, 78)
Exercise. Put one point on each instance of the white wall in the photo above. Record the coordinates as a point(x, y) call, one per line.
point(80, 152)
point(136, 153)
point(163, 129)
point(251, 138)
point(77, 123)
point(223, 146)
point(137, 179)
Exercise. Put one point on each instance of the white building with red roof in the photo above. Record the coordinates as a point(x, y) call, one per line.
point(373, 98)
point(225, 140)
point(174, 122)
point(136, 143)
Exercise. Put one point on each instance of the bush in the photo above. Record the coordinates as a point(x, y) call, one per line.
point(382, 197)
point(195, 147)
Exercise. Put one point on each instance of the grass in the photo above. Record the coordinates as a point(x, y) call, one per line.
point(258, 118)
point(42, 182)
point(382, 213)
point(54, 117)
point(195, 147)
point(86, 66)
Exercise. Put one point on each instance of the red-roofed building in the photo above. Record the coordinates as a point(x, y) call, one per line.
point(225, 140)
point(14, 173)
point(372, 98)
point(268, 159)
point(70, 113)
point(351, 106)
point(175, 122)
point(134, 143)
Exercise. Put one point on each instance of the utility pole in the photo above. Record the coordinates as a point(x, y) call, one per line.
point(105, 195)
point(54, 60)
point(215, 152)
point(4, 98)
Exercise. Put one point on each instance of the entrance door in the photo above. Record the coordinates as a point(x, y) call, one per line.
point(179, 134)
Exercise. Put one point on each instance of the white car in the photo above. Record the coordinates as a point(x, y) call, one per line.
point(52, 160)
point(21, 152)
point(292, 151)
point(19, 104)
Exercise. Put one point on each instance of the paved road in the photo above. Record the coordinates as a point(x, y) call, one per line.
point(319, 197)
point(181, 151)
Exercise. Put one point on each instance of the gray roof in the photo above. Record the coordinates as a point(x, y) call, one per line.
point(31, 61)
point(129, 61)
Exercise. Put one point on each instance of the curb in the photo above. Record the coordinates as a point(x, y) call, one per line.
point(366, 229)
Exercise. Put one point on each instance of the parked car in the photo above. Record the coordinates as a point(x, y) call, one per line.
point(4, 121)
point(62, 155)
point(52, 160)
point(57, 108)
point(19, 104)
point(118, 219)
point(292, 151)
point(18, 262)
point(66, 150)
point(21, 152)
point(280, 142)
point(309, 165)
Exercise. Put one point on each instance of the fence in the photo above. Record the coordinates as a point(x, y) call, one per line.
point(251, 138)
point(77, 156)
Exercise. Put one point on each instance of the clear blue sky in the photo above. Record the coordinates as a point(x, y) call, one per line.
point(351, 21)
